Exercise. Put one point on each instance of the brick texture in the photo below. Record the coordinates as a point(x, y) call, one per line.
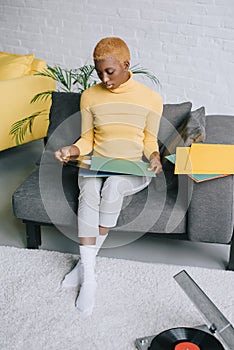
point(187, 44)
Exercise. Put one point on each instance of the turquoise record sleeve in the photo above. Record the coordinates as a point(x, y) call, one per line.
point(121, 166)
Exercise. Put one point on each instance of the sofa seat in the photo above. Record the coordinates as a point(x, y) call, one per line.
point(153, 209)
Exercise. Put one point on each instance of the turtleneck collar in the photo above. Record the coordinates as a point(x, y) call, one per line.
point(125, 86)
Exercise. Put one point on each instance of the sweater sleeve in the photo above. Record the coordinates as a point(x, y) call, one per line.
point(152, 127)
point(85, 142)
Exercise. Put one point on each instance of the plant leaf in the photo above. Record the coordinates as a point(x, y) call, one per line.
point(48, 72)
point(137, 69)
point(42, 96)
point(60, 75)
point(19, 129)
point(83, 76)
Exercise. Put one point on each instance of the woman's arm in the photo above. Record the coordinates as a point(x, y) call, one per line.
point(86, 140)
point(85, 143)
point(151, 148)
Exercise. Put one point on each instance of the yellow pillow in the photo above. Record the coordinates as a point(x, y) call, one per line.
point(38, 65)
point(14, 66)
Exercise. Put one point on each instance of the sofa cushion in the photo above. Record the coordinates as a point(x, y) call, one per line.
point(191, 130)
point(14, 66)
point(45, 202)
point(194, 129)
point(38, 66)
point(65, 121)
point(155, 209)
point(172, 117)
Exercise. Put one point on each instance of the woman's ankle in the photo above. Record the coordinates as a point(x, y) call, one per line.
point(103, 230)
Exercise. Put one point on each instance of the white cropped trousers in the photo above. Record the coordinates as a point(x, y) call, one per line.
point(101, 199)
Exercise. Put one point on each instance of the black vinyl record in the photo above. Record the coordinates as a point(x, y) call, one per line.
point(185, 339)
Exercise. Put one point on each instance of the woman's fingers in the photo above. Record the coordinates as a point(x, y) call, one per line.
point(155, 165)
point(62, 154)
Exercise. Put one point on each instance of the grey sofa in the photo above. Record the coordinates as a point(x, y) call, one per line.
point(174, 206)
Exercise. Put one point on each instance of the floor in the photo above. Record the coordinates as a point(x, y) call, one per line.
point(18, 162)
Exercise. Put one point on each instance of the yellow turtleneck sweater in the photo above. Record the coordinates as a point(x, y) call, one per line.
point(120, 123)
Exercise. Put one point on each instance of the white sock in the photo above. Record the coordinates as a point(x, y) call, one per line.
point(75, 277)
point(86, 299)
point(99, 241)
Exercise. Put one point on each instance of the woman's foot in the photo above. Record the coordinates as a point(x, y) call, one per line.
point(75, 277)
point(86, 298)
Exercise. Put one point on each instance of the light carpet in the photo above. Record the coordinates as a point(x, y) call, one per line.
point(134, 299)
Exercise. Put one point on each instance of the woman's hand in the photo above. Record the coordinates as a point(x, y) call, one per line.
point(155, 163)
point(67, 153)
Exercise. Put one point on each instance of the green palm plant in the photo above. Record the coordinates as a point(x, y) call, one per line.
point(67, 80)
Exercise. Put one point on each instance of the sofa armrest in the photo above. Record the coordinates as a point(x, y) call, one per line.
point(15, 97)
point(211, 210)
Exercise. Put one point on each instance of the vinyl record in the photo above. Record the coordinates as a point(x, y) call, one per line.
point(185, 339)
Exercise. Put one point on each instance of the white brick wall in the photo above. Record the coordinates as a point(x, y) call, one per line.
point(188, 44)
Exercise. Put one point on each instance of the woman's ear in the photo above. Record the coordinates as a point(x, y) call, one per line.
point(126, 65)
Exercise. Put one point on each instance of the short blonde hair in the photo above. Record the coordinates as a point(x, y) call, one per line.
point(111, 47)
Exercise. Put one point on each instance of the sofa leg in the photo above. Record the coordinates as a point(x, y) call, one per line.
point(33, 235)
point(231, 257)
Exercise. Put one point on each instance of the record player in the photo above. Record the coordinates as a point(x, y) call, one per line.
point(216, 334)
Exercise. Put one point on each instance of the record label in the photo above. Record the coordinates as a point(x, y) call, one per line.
point(186, 346)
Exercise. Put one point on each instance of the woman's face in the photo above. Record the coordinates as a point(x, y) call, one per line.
point(112, 72)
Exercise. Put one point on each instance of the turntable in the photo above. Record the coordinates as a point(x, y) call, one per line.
point(217, 334)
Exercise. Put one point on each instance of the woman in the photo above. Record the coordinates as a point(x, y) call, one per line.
point(120, 119)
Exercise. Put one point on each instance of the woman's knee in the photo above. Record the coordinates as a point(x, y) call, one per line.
point(114, 188)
